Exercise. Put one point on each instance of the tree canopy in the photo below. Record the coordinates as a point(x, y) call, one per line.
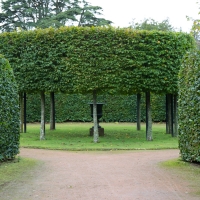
point(195, 29)
point(28, 14)
point(87, 59)
point(151, 24)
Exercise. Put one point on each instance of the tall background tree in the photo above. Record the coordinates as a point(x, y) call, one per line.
point(195, 29)
point(151, 24)
point(28, 14)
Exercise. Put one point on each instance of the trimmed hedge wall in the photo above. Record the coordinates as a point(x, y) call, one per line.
point(9, 112)
point(75, 108)
point(189, 108)
point(83, 60)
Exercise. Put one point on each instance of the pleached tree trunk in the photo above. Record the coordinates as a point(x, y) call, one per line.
point(175, 131)
point(149, 136)
point(42, 129)
point(25, 113)
point(169, 114)
point(96, 131)
point(21, 101)
point(138, 112)
point(52, 111)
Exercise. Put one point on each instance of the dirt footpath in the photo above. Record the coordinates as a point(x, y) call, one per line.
point(111, 175)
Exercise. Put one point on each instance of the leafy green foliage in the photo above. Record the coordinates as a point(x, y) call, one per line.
point(189, 108)
point(195, 30)
point(151, 24)
point(117, 108)
point(9, 118)
point(28, 15)
point(132, 61)
point(83, 59)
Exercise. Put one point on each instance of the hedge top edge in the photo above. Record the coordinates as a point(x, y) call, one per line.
point(84, 59)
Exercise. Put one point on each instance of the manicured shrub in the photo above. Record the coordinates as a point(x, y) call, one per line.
point(83, 59)
point(189, 108)
point(9, 112)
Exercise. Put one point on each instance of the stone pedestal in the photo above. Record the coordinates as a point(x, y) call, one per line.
point(101, 131)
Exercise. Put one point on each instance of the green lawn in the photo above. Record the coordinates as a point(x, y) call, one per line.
point(13, 170)
point(118, 136)
point(189, 172)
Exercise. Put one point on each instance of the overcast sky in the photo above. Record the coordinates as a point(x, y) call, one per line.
point(121, 12)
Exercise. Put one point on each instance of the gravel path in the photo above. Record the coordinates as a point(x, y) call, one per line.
point(111, 175)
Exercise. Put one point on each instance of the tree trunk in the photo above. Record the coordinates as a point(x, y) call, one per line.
point(21, 112)
point(96, 131)
point(175, 131)
point(148, 118)
point(42, 129)
point(24, 112)
point(52, 111)
point(80, 20)
point(138, 112)
point(169, 113)
point(172, 115)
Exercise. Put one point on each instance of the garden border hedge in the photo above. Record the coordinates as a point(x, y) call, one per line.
point(9, 109)
point(189, 107)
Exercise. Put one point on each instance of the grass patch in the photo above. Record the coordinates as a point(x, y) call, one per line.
point(13, 170)
point(189, 172)
point(118, 136)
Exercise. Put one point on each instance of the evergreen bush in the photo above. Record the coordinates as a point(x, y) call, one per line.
point(9, 112)
point(189, 108)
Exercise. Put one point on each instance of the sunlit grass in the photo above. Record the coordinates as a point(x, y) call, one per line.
point(118, 136)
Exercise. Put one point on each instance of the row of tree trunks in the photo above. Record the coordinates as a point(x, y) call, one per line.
point(149, 136)
point(22, 100)
point(171, 115)
point(52, 114)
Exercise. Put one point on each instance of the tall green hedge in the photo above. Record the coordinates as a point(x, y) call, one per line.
point(83, 59)
point(9, 112)
point(189, 108)
point(75, 107)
